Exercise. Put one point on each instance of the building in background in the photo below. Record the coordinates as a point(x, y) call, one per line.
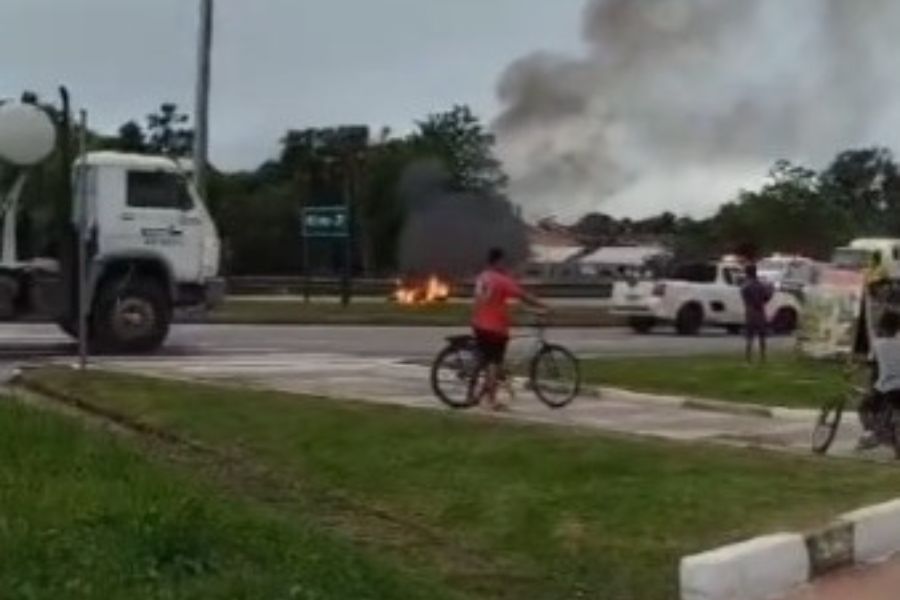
point(554, 253)
point(623, 262)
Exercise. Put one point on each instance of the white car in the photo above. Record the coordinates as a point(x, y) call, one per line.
point(696, 296)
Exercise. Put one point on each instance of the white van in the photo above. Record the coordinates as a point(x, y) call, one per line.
point(858, 255)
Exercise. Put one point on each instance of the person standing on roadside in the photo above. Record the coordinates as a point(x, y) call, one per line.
point(756, 295)
point(876, 272)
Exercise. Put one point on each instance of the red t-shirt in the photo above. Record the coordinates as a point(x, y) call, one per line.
point(493, 290)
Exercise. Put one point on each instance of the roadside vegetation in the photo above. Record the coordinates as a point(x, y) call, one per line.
point(460, 504)
point(381, 312)
point(85, 516)
point(785, 380)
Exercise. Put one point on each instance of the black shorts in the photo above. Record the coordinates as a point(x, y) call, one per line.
point(492, 346)
point(756, 329)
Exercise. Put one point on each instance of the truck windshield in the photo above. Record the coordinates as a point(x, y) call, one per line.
point(775, 267)
point(851, 259)
point(695, 273)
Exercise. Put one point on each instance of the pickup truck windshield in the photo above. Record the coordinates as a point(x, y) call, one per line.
point(695, 273)
point(852, 259)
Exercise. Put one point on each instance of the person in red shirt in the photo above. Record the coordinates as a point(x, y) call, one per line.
point(491, 322)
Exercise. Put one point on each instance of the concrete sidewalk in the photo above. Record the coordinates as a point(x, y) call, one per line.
point(392, 381)
point(880, 582)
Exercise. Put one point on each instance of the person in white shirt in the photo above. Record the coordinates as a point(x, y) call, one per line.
point(886, 350)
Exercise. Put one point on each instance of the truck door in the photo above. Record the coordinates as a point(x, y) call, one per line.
point(729, 293)
point(159, 216)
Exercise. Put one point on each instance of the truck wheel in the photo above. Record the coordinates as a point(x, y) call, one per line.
point(130, 316)
point(734, 329)
point(689, 320)
point(785, 321)
point(642, 325)
point(9, 291)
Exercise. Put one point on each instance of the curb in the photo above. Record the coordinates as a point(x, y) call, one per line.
point(704, 404)
point(767, 566)
point(741, 409)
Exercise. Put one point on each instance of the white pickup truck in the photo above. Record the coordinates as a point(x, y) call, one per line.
point(696, 296)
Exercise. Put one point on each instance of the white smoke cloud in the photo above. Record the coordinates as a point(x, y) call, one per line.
point(677, 104)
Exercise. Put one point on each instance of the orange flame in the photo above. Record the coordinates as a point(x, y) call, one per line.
point(434, 290)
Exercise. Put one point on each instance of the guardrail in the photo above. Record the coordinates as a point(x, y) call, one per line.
point(319, 286)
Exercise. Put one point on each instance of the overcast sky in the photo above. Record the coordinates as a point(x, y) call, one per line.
point(278, 64)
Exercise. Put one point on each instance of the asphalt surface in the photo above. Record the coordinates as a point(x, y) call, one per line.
point(35, 340)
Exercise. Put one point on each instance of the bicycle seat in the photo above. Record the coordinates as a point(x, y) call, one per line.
point(460, 340)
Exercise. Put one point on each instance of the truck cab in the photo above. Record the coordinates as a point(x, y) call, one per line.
point(697, 295)
point(146, 208)
point(153, 247)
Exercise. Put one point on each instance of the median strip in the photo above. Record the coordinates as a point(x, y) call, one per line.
point(556, 513)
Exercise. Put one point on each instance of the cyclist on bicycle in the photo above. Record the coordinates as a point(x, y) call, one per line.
point(494, 288)
point(886, 350)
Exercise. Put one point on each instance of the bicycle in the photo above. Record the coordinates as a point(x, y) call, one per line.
point(458, 372)
point(884, 422)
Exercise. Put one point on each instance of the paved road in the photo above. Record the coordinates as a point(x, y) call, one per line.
point(405, 342)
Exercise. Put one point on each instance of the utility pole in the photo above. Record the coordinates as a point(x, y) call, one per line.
point(201, 112)
point(83, 259)
point(348, 193)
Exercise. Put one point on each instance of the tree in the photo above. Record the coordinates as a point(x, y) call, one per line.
point(383, 209)
point(167, 132)
point(789, 214)
point(866, 184)
point(259, 223)
point(466, 148)
point(131, 138)
point(596, 225)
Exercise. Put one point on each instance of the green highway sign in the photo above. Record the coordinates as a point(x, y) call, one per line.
point(325, 222)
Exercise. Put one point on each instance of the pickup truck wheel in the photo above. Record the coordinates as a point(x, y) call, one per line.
point(734, 329)
point(689, 320)
point(785, 321)
point(131, 316)
point(642, 325)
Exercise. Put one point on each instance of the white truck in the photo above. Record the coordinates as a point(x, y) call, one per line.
point(152, 245)
point(789, 273)
point(695, 296)
point(857, 256)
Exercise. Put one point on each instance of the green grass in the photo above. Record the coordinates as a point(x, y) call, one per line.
point(83, 516)
point(237, 311)
point(546, 513)
point(242, 311)
point(786, 380)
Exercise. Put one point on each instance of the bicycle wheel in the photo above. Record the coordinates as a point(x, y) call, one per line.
point(555, 376)
point(452, 373)
point(826, 426)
